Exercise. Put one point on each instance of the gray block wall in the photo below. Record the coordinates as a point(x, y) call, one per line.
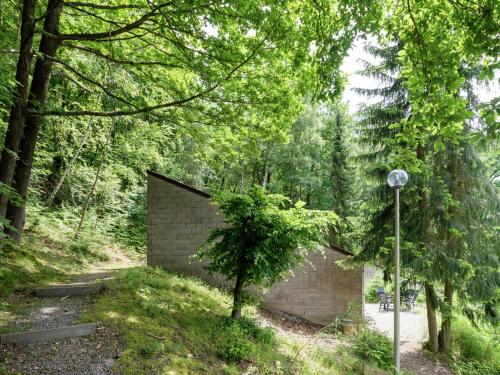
point(179, 220)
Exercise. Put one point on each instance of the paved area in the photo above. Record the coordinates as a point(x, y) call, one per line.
point(413, 332)
point(413, 327)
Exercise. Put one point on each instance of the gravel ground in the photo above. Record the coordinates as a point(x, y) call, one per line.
point(413, 331)
point(90, 355)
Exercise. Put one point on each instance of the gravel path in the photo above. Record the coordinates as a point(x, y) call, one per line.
point(413, 331)
point(91, 355)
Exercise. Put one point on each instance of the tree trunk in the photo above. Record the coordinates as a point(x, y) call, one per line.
point(59, 183)
point(265, 174)
point(38, 93)
point(238, 296)
point(431, 318)
point(446, 334)
point(92, 190)
point(17, 111)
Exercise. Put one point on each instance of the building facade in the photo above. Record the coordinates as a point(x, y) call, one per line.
point(179, 220)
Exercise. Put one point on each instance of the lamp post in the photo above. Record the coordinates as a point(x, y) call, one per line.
point(396, 180)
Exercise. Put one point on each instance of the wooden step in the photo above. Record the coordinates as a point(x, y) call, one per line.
point(68, 290)
point(77, 330)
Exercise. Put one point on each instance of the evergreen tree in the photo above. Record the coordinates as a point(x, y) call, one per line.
point(446, 219)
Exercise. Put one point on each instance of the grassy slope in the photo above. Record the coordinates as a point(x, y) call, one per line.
point(48, 252)
point(179, 325)
point(187, 317)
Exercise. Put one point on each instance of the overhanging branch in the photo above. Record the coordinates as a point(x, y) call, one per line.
point(118, 31)
point(175, 103)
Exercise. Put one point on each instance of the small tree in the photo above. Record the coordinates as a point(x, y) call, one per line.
point(266, 238)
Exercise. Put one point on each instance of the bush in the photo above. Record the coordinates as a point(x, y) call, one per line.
point(476, 350)
point(152, 347)
point(372, 345)
point(239, 339)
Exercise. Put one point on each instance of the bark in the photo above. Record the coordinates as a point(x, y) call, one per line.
point(238, 296)
point(453, 249)
point(266, 173)
point(431, 318)
point(15, 125)
point(446, 334)
point(36, 100)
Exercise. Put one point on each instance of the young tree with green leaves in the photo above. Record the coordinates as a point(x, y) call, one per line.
point(264, 240)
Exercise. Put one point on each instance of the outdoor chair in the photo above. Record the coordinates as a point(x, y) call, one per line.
point(385, 301)
point(409, 298)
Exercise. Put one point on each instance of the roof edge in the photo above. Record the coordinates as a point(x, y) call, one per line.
point(340, 250)
point(178, 184)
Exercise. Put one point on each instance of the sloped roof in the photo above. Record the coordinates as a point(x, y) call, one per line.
point(179, 184)
point(207, 195)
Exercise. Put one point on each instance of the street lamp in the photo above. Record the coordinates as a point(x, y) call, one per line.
point(396, 180)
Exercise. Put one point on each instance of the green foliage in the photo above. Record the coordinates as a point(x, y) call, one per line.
point(241, 339)
point(374, 346)
point(264, 239)
point(476, 350)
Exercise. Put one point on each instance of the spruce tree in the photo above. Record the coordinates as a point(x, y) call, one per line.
point(447, 208)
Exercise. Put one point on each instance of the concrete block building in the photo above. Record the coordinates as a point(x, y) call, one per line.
point(179, 220)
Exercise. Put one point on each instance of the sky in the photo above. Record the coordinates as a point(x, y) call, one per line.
point(351, 65)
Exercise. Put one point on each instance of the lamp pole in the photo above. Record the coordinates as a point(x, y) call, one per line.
point(396, 180)
point(396, 288)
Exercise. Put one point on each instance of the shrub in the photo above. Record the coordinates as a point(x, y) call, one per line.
point(372, 345)
point(476, 350)
point(240, 339)
point(235, 345)
point(151, 348)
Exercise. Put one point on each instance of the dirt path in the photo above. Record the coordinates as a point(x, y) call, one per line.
point(413, 333)
point(91, 355)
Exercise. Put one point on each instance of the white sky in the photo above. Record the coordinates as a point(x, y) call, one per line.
point(351, 65)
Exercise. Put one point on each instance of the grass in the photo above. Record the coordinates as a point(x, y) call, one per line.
point(476, 350)
point(48, 252)
point(173, 324)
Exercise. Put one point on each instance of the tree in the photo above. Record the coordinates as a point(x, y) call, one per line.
point(447, 218)
point(190, 63)
point(264, 240)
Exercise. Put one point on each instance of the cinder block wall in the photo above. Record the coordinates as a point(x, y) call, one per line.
point(320, 291)
point(179, 221)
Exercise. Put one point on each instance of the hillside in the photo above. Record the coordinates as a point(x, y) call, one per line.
point(156, 322)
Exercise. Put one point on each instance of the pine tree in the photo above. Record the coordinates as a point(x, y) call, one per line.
point(447, 219)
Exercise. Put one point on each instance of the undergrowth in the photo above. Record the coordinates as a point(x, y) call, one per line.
point(476, 350)
point(50, 250)
point(177, 324)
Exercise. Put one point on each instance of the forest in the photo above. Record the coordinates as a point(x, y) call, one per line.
point(244, 96)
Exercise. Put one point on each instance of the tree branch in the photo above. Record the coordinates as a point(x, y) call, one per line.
point(85, 78)
point(102, 6)
point(118, 31)
point(174, 103)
